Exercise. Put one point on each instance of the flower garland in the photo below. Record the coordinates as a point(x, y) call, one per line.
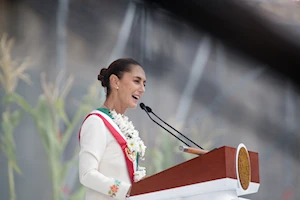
point(134, 142)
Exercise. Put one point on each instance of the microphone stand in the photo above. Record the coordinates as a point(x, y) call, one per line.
point(186, 148)
point(150, 110)
point(165, 128)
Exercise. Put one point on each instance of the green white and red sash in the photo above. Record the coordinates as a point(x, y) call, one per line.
point(120, 139)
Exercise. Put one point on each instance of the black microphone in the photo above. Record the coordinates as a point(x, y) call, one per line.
point(143, 106)
point(149, 110)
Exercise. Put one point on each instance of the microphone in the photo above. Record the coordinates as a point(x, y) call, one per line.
point(146, 108)
point(192, 150)
point(149, 110)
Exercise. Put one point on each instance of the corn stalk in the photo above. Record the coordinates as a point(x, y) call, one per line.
point(11, 72)
point(48, 115)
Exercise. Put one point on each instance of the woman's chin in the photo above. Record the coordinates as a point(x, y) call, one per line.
point(133, 105)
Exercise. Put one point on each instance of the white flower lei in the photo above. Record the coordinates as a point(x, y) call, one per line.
point(134, 142)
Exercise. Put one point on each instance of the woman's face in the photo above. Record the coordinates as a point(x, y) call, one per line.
point(132, 86)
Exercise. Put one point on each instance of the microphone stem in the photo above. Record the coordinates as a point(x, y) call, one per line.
point(166, 129)
point(175, 130)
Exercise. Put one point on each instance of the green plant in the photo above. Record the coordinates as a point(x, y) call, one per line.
point(11, 72)
point(55, 128)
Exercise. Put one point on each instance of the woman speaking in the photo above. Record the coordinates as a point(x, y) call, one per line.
point(110, 147)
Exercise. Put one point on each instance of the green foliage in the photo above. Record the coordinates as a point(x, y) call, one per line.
point(8, 124)
point(55, 129)
point(11, 72)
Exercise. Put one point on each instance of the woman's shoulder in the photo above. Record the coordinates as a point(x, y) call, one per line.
point(93, 117)
point(96, 116)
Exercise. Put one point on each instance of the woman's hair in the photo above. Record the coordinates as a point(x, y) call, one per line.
point(118, 67)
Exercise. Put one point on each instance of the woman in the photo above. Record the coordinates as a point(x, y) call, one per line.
point(109, 145)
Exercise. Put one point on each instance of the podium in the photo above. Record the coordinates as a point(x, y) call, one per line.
point(225, 173)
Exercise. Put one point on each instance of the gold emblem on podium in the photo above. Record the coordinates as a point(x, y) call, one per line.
point(243, 167)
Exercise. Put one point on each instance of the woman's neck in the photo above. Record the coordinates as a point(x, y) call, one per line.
point(114, 105)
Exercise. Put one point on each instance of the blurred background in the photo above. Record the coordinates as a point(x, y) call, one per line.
point(221, 72)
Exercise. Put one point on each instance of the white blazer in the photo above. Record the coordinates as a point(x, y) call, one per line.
point(102, 166)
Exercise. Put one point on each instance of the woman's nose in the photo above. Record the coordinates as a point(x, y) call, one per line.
point(143, 89)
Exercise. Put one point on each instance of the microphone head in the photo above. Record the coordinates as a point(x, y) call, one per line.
point(142, 105)
point(148, 109)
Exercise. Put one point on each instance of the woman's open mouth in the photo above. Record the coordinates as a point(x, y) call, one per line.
point(136, 97)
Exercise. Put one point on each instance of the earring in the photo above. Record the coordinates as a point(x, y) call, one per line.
point(117, 87)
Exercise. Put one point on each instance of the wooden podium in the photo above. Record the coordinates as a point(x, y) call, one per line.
point(225, 173)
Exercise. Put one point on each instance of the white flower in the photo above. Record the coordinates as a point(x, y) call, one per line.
point(142, 148)
point(125, 118)
point(135, 134)
point(130, 126)
point(139, 174)
point(132, 145)
point(116, 116)
point(134, 142)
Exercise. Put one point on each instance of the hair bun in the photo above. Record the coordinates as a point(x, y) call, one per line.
point(102, 77)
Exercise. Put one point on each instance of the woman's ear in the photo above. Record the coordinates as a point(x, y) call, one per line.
point(114, 81)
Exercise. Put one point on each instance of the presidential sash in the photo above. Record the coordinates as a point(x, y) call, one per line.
point(122, 142)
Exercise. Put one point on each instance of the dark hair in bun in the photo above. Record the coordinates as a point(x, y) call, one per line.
point(101, 77)
point(118, 67)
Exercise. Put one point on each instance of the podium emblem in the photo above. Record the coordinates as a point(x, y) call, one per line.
point(243, 166)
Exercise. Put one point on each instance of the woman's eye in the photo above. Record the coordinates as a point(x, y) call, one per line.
point(137, 81)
